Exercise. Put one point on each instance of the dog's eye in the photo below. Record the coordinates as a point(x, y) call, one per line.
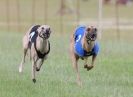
point(42, 28)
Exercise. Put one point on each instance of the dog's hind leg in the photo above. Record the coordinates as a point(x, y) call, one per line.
point(25, 48)
point(75, 65)
point(23, 61)
point(75, 59)
point(78, 75)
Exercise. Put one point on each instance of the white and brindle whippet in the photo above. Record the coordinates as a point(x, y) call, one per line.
point(36, 41)
point(83, 44)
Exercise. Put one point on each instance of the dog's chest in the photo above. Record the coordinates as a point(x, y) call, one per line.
point(41, 44)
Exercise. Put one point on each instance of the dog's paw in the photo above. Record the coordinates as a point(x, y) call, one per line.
point(20, 69)
point(85, 66)
point(88, 67)
point(37, 69)
point(34, 80)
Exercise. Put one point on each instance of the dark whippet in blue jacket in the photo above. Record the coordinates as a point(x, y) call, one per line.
point(83, 45)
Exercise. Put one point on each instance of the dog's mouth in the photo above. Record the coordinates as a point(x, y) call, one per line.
point(45, 35)
point(91, 37)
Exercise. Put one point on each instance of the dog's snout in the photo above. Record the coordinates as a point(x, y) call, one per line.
point(93, 36)
point(43, 34)
point(48, 31)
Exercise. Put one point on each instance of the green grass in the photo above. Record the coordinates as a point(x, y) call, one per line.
point(111, 77)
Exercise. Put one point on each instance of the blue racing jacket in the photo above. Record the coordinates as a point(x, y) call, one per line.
point(79, 50)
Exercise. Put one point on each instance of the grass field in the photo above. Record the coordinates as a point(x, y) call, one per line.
point(111, 77)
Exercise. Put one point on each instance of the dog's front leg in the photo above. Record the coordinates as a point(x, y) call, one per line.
point(39, 65)
point(93, 59)
point(85, 64)
point(92, 64)
point(33, 70)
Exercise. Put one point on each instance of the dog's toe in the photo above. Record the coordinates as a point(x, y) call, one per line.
point(34, 80)
point(20, 69)
point(37, 69)
point(86, 66)
point(89, 68)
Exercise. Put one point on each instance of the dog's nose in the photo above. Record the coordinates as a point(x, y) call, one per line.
point(93, 36)
point(47, 31)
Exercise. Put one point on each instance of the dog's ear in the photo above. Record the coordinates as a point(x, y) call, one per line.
point(88, 29)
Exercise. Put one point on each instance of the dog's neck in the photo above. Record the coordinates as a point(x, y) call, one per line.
point(87, 47)
point(42, 44)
